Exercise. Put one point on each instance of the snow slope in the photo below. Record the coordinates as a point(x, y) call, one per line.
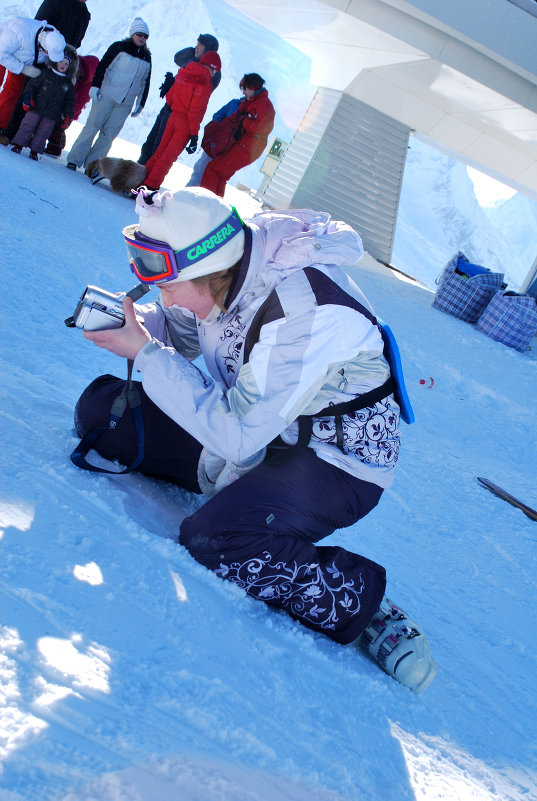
point(131, 673)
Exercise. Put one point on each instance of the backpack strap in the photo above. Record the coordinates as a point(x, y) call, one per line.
point(280, 451)
point(327, 291)
point(128, 396)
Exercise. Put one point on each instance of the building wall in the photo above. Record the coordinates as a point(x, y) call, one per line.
point(347, 158)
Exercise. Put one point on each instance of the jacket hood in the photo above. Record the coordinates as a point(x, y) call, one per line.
point(88, 65)
point(209, 41)
point(184, 56)
point(282, 243)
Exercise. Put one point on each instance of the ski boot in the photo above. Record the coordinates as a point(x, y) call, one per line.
point(34, 155)
point(399, 646)
point(16, 149)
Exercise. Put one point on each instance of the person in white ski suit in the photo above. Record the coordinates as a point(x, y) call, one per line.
point(120, 82)
point(284, 334)
point(25, 45)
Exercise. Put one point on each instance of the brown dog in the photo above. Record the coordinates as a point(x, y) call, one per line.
point(123, 174)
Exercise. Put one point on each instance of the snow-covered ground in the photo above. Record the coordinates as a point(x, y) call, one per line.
point(131, 673)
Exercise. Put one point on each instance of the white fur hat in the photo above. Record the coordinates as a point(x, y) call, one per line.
point(200, 223)
point(54, 43)
point(138, 26)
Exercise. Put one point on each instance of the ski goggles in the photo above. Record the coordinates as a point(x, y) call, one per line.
point(155, 262)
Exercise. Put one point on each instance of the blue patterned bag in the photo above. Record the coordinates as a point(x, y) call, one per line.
point(465, 289)
point(510, 318)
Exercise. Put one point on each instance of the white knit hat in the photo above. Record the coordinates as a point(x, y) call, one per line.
point(138, 26)
point(54, 43)
point(196, 220)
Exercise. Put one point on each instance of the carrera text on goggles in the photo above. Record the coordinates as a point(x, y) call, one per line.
point(153, 261)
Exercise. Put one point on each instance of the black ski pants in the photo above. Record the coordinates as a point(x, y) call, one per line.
point(260, 532)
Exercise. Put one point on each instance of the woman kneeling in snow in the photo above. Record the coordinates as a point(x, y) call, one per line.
point(294, 431)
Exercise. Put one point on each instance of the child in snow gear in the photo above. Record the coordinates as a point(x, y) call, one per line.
point(294, 431)
point(71, 18)
point(48, 99)
point(84, 76)
point(120, 82)
point(188, 99)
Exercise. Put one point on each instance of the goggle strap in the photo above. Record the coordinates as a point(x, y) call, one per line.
point(211, 242)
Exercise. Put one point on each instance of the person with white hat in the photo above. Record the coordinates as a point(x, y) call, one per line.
point(25, 45)
point(291, 430)
point(121, 82)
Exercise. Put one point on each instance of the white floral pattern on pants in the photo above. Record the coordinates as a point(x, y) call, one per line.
point(307, 591)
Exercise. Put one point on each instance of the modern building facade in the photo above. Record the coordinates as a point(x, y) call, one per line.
point(462, 75)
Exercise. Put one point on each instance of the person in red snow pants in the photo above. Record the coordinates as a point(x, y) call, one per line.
point(13, 86)
point(188, 99)
point(255, 120)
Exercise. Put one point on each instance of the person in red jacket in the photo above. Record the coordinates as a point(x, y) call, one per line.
point(255, 120)
point(188, 99)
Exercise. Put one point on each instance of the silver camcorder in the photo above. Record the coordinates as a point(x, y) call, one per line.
point(98, 310)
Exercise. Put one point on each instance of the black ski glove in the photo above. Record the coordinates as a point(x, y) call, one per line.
point(166, 84)
point(192, 145)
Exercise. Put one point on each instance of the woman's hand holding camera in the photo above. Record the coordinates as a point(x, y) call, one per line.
point(126, 341)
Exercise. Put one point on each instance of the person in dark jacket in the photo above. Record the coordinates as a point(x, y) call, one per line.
point(255, 120)
point(121, 80)
point(49, 98)
point(206, 42)
point(84, 76)
point(70, 17)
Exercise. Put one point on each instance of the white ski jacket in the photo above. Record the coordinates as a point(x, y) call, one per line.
point(18, 38)
point(318, 344)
